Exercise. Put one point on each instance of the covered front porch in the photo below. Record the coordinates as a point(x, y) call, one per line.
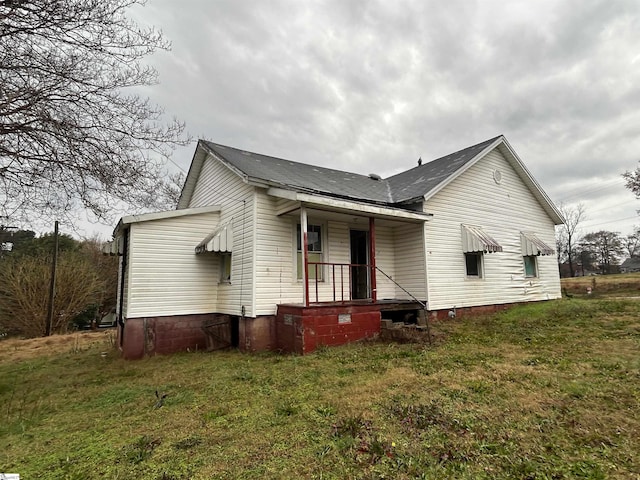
point(356, 265)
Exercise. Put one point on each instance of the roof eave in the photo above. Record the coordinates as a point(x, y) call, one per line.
point(463, 168)
point(532, 183)
point(520, 168)
point(195, 168)
point(344, 204)
point(147, 217)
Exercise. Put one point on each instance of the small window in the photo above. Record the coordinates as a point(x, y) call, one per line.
point(473, 264)
point(530, 267)
point(225, 268)
point(314, 249)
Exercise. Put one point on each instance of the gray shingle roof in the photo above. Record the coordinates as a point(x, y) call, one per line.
point(420, 180)
point(405, 186)
point(303, 177)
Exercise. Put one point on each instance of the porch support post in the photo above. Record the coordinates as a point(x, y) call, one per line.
point(372, 257)
point(305, 252)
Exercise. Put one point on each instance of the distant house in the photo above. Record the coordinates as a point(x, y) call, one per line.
point(630, 265)
point(264, 253)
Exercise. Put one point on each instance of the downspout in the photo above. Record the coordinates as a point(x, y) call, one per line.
point(244, 253)
point(123, 263)
point(305, 253)
point(372, 258)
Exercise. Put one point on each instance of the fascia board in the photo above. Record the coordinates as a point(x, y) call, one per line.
point(340, 204)
point(224, 162)
point(463, 169)
point(195, 168)
point(531, 182)
point(519, 167)
point(147, 217)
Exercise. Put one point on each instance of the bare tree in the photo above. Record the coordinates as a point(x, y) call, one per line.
point(631, 244)
point(605, 246)
point(633, 181)
point(70, 134)
point(568, 235)
point(106, 268)
point(24, 284)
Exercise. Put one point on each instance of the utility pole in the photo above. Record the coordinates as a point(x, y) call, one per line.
point(52, 286)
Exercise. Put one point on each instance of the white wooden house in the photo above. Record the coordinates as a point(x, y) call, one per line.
point(468, 231)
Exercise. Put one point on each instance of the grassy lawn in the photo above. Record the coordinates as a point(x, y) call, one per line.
point(543, 391)
point(627, 284)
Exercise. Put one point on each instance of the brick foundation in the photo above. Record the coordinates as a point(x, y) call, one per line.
point(162, 335)
point(294, 329)
point(302, 330)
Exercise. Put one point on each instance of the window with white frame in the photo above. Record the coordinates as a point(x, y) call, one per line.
point(473, 263)
point(225, 268)
point(315, 251)
point(530, 266)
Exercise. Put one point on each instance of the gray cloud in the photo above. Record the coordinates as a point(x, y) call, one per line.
point(369, 86)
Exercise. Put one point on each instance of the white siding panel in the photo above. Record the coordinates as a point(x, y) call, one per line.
point(218, 185)
point(503, 211)
point(168, 278)
point(276, 260)
point(274, 257)
point(410, 261)
point(385, 261)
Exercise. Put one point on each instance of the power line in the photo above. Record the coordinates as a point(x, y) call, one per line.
point(629, 202)
point(610, 221)
point(581, 192)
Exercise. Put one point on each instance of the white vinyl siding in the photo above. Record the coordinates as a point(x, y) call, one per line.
point(276, 261)
point(218, 185)
point(409, 261)
point(170, 279)
point(385, 261)
point(503, 211)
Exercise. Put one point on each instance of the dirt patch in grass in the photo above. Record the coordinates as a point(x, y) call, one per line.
point(19, 349)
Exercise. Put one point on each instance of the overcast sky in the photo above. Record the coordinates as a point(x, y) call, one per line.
point(370, 86)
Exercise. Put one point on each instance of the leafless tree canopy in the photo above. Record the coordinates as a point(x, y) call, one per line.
point(632, 181)
point(568, 235)
point(70, 134)
point(606, 246)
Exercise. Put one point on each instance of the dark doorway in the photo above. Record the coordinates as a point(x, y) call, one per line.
point(359, 256)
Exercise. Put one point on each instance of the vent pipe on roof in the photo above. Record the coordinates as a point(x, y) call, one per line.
point(375, 177)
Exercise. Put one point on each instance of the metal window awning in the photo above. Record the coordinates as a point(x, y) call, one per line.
point(475, 239)
point(532, 245)
point(220, 240)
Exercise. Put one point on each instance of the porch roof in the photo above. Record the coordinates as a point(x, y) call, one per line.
point(333, 204)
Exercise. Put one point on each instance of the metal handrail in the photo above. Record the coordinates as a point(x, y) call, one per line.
point(424, 305)
point(333, 278)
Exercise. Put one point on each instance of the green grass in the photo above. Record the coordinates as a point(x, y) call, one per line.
point(542, 391)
